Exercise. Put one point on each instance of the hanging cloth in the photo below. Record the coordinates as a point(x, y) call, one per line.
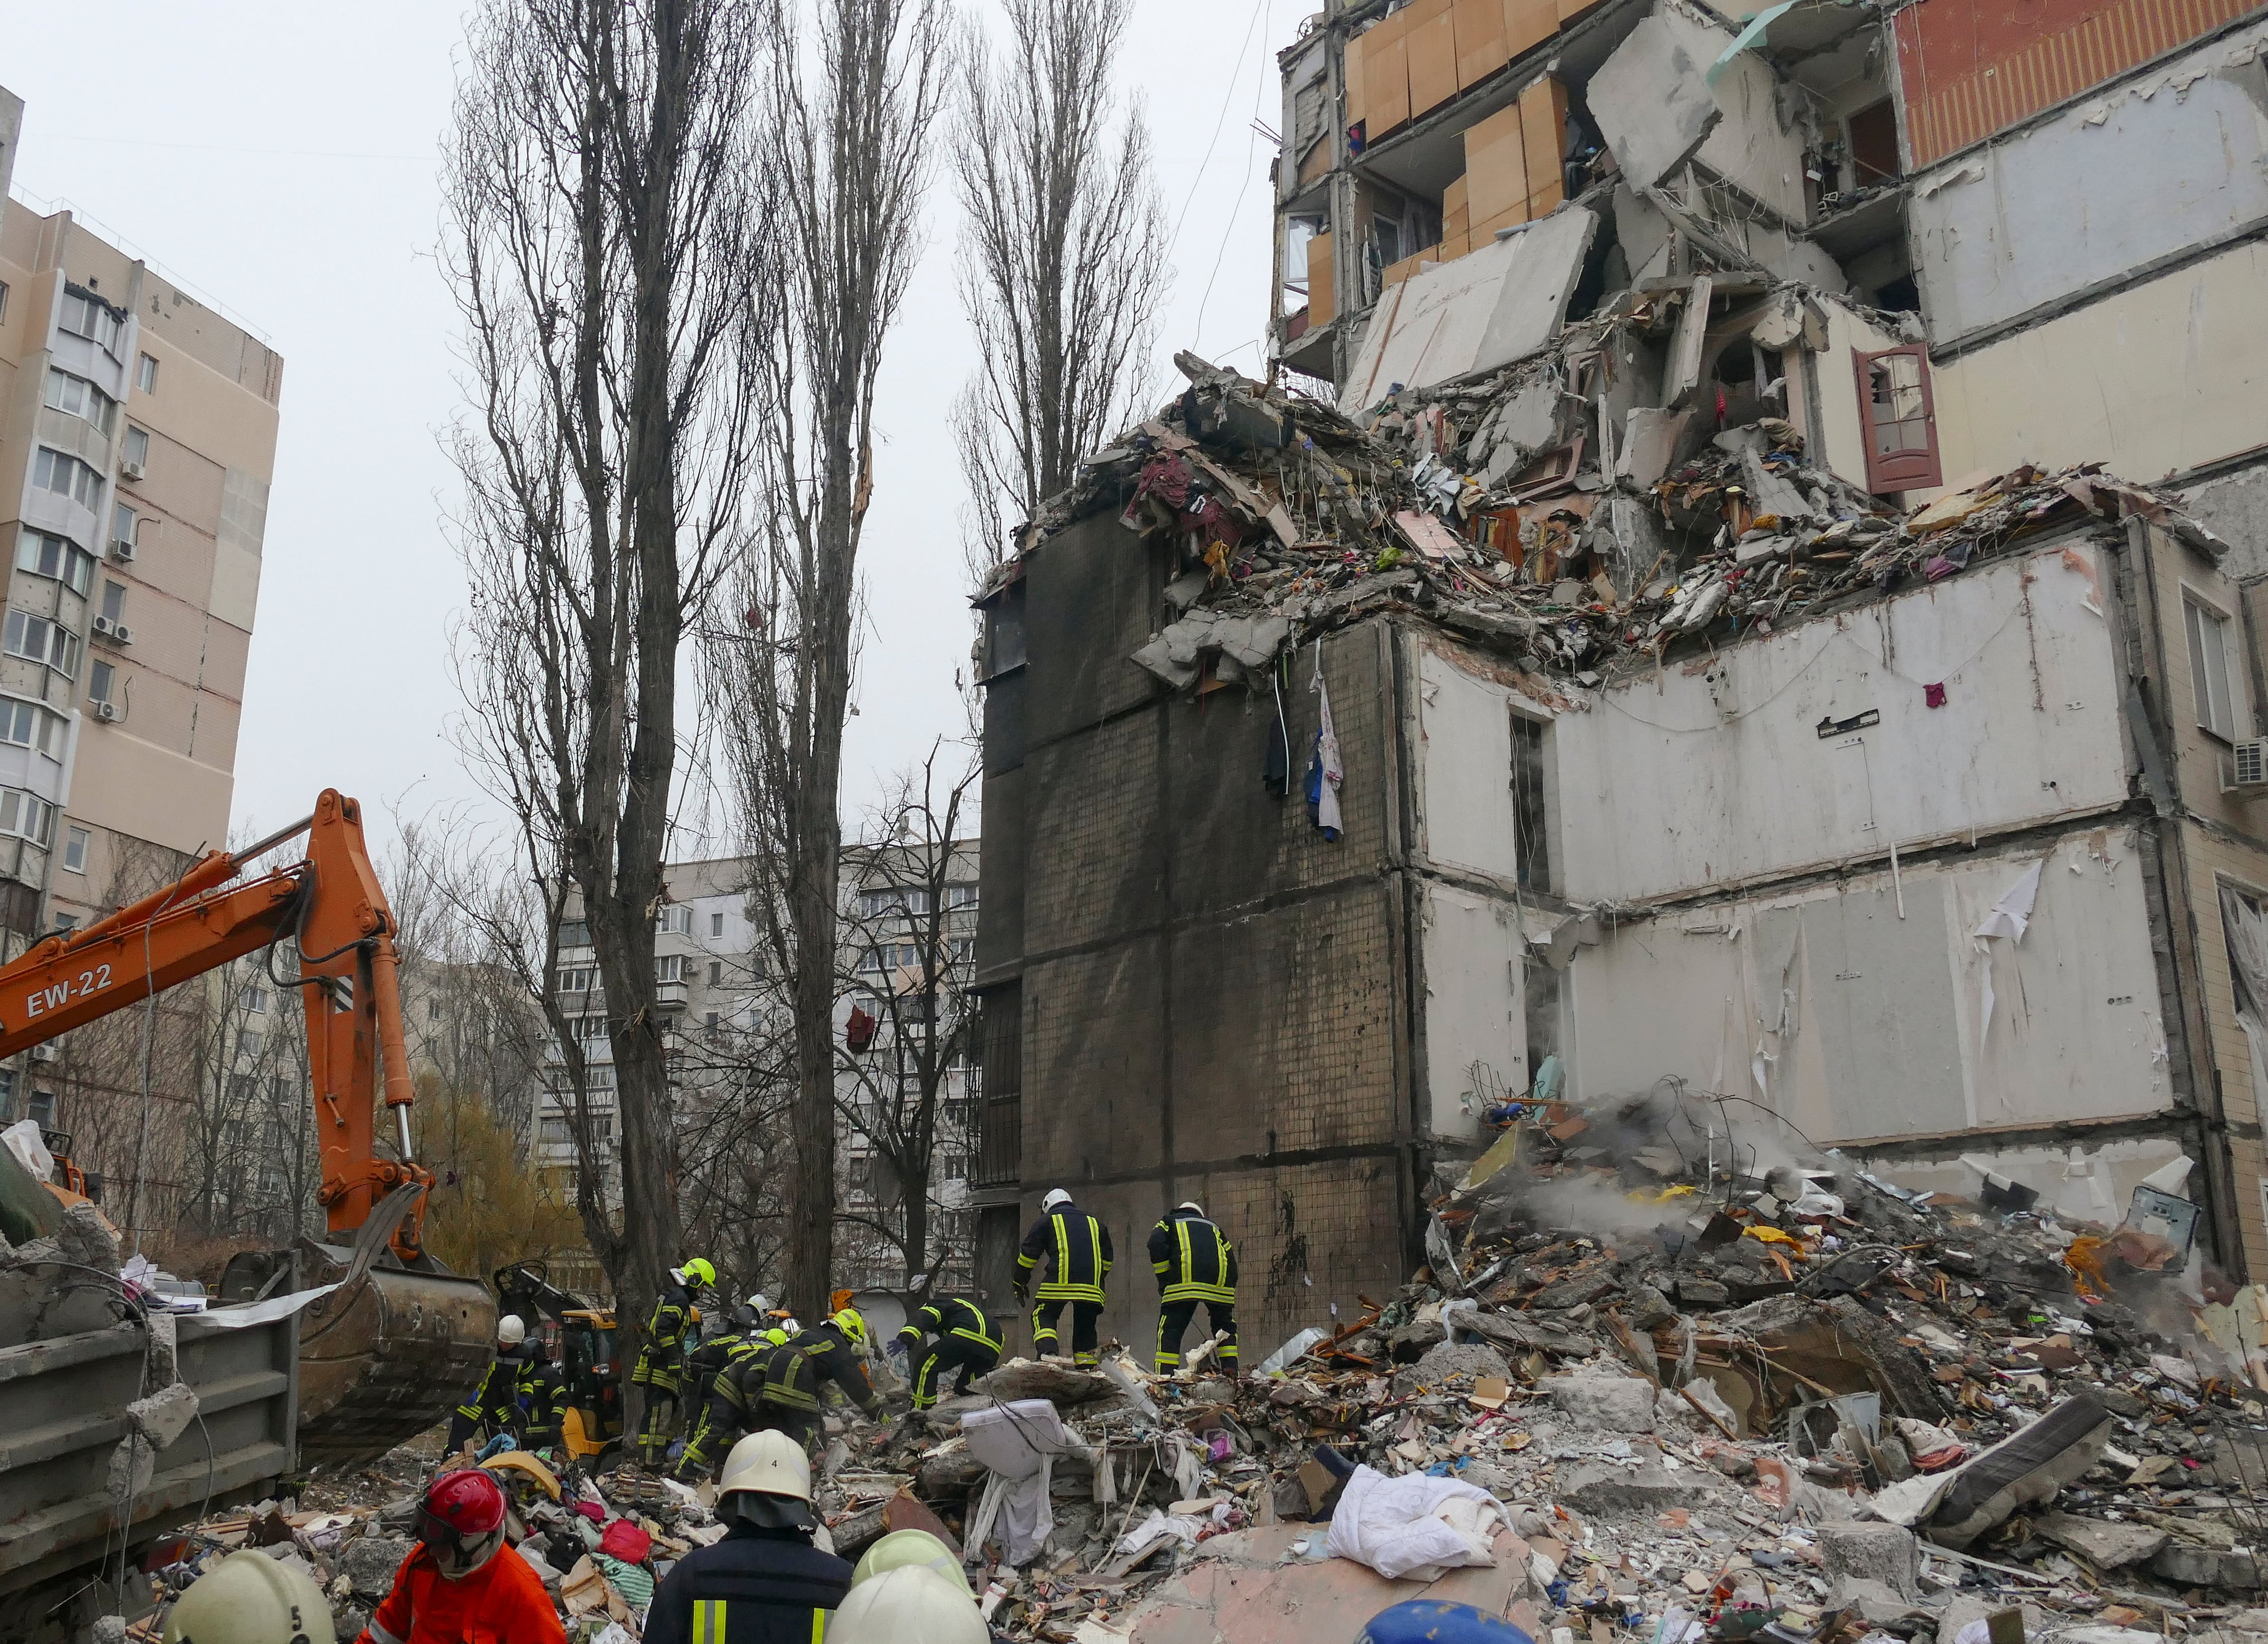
point(1325, 772)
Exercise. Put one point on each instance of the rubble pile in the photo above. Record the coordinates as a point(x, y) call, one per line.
point(1664, 1378)
point(1497, 509)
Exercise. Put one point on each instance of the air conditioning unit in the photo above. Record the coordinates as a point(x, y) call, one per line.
point(107, 712)
point(2248, 764)
point(122, 634)
point(45, 1052)
point(132, 471)
point(104, 627)
point(122, 550)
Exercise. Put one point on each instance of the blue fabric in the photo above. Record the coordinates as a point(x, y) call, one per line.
point(1428, 1621)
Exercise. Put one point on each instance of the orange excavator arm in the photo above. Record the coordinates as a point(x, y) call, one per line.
point(331, 906)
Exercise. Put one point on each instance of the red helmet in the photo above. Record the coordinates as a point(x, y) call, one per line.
point(461, 1521)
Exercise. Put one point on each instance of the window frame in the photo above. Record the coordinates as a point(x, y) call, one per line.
point(47, 458)
point(74, 565)
point(73, 645)
point(108, 324)
point(134, 439)
point(1905, 469)
point(108, 673)
point(75, 841)
point(145, 373)
point(95, 397)
point(2196, 609)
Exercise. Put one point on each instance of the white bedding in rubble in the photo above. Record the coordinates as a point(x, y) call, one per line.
point(1415, 1525)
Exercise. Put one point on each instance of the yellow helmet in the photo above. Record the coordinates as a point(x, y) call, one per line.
point(852, 1323)
point(249, 1599)
point(699, 1272)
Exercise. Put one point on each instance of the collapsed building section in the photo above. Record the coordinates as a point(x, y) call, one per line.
point(1685, 723)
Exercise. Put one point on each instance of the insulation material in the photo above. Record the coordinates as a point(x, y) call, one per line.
point(1432, 56)
point(1480, 41)
point(1496, 168)
point(1528, 24)
point(1500, 302)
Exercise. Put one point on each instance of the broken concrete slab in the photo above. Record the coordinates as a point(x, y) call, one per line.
point(1619, 1404)
point(1488, 308)
point(1652, 438)
point(1023, 1379)
point(1601, 1487)
point(1653, 105)
point(2186, 1563)
point(1887, 1554)
point(166, 1414)
point(2105, 1545)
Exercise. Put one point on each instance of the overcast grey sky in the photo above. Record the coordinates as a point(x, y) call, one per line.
point(280, 160)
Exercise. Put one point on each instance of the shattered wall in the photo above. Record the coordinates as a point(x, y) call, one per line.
point(1715, 772)
point(1213, 995)
point(2159, 378)
point(2170, 162)
point(1868, 1008)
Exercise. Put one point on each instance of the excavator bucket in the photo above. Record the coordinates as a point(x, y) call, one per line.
point(380, 1355)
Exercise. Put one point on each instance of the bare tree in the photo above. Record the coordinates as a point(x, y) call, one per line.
point(598, 197)
point(908, 925)
point(1063, 257)
point(847, 114)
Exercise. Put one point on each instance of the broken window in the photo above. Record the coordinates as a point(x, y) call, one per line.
point(1532, 851)
point(1874, 133)
point(2208, 634)
point(1000, 1143)
point(1894, 401)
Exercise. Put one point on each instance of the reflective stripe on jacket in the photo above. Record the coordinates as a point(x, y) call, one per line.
point(1193, 1259)
point(1079, 1245)
point(956, 1316)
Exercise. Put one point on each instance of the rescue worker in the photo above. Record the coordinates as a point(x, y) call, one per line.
point(710, 1358)
point(657, 1367)
point(542, 1399)
point(1079, 1247)
point(912, 1604)
point(795, 1375)
point(249, 1599)
point(494, 1407)
point(765, 1582)
point(1194, 1262)
point(452, 1586)
point(964, 1341)
point(730, 1411)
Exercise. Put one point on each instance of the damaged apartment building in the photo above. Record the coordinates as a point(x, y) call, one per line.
point(1771, 502)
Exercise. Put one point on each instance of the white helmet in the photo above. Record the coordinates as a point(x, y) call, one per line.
point(1192, 1207)
point(765, 1464)
point(1056, 1200)
point(249, 1599)
point(912, 1602)
point(761, 1302)
point(509, 1331)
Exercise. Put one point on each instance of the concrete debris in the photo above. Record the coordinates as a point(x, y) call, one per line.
point(1648, 1389)
point(1582, 531)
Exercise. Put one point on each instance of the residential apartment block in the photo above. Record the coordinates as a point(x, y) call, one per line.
point(1959, 870)
point(139, 426)
point(730, 1051)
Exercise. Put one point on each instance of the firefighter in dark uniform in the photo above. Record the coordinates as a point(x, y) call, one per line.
point(1079, 1246)
point(964, 1340)
point(765, 1582)
point(730, 1413)
point(657, 1369)
point(796, 1374)
point(495, 1407)
point(1194, 1262)
point(542, 1400)
point(711, 1358)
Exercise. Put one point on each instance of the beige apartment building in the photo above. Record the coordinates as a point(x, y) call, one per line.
point(137, 437)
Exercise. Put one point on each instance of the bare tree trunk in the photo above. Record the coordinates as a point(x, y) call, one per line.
point(847, 118)
point(598, 193)
point(1062, 257)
